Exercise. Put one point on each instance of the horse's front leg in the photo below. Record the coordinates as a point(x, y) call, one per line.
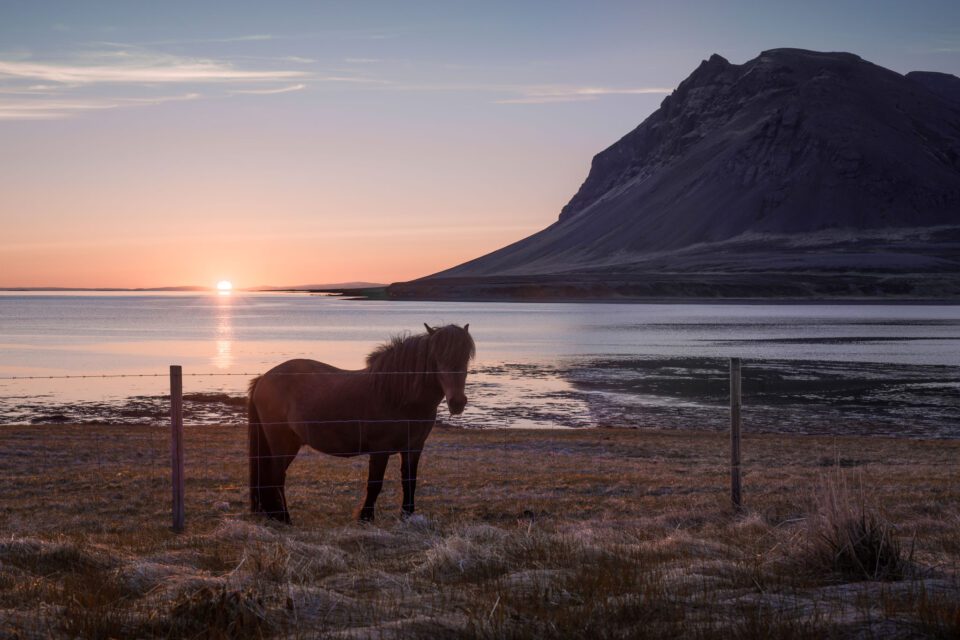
point(408, 479)
point(378, 465)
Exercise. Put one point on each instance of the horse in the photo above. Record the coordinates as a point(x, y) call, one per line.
point(386, 408)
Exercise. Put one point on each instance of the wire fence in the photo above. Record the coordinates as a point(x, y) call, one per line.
point(211, 374)
point(82, 464)
point(188, 463)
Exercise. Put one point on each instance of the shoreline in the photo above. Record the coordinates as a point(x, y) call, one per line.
point(382, 295)
point(379, 294)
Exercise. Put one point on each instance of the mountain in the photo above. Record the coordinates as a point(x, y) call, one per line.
point(943, 84)
point(795, 174)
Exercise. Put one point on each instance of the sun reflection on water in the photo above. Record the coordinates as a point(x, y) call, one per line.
point(223, 358)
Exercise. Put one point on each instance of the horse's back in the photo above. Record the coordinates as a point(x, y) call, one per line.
point(303, 366)
point(303, 389)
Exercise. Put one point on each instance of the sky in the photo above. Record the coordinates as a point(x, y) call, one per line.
point(147, 144)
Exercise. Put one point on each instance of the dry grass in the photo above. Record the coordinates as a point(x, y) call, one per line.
point(850, 538)
point(521, 534)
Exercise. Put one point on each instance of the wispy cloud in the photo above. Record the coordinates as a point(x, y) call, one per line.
point(523, 93)
point(266, 92)
point(253, 37)
point(547, 95)
point(33, 89)
point(353, 80)
point(128, 75)
point(55, 109)
point(118, 78)
point(164, 68)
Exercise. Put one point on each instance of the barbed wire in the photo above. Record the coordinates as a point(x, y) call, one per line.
point(338, 453)
point(348, 421)
point(88, 375)
point(354, 372)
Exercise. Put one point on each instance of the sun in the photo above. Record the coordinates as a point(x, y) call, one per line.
point(224, 285)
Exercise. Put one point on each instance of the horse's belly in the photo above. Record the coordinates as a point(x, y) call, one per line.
point(357, 438)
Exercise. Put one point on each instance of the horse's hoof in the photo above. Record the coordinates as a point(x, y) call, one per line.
point(365, 516)
point(415, 520)
point(283, 518)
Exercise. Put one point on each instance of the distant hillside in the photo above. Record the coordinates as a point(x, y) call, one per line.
point(320, 287)
point(795, 174)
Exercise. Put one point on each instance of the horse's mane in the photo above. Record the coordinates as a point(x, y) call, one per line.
point(405, 365)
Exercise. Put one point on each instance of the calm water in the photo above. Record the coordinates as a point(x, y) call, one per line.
point(810, 368)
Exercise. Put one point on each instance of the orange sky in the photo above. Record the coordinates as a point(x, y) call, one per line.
point(175, 143)
point(108, 201)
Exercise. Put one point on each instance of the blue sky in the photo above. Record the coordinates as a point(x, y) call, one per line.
point(407, 136)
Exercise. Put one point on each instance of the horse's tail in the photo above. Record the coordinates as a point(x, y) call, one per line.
point(258, 451)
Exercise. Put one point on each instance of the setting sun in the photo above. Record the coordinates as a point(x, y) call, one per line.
point(224, 285)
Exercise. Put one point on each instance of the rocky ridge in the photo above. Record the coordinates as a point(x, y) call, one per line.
point(798, 159)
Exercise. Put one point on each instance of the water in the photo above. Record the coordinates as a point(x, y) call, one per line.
point(881, 369)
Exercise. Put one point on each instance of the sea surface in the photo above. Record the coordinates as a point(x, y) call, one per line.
point(807, 368)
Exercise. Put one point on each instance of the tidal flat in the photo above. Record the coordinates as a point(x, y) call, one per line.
point(779, 396)
point(599, 533)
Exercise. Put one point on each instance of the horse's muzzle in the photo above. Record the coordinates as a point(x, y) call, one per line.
point(456, 405)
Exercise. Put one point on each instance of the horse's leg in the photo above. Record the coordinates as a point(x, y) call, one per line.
point(378, 465)
point(283, 450)
point(282, 461)
point(260, 457)
point(281, 464)
point(408, 479)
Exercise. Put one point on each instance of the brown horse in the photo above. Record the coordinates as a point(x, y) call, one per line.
point(389, 407)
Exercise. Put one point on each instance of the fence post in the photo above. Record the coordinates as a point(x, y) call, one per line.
point(176, 445)
point(735, 494)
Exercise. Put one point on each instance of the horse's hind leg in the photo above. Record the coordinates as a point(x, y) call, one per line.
point(262, 480)
point(278, 484)
point(269, 489)
point(274, 489)
point(378, 466)
point(409, 460)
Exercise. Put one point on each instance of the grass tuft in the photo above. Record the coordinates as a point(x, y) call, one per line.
point(220, 613)
point(849, 539)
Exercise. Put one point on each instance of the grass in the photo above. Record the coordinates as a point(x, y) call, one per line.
point(519, 534)
point(851, 539)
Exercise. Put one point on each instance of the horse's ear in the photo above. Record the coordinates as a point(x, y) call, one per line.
point(466, 327)
point(430, 330)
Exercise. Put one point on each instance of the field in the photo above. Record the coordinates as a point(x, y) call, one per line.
point(603, 533)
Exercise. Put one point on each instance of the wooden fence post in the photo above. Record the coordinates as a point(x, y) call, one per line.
point(735, 494)
point(176, 446)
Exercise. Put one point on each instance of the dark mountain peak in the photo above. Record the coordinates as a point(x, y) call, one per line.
point(787, 53)
point(778, 117)
point(714, 63)
point(792, 143)
point(945, 85)
point(706, 73)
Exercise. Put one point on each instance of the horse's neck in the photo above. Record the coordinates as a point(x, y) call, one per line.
point(431, 393)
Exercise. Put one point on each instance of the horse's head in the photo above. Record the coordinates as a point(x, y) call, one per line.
point(451, 349)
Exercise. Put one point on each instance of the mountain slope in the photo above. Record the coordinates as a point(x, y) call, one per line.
point(797, 150)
